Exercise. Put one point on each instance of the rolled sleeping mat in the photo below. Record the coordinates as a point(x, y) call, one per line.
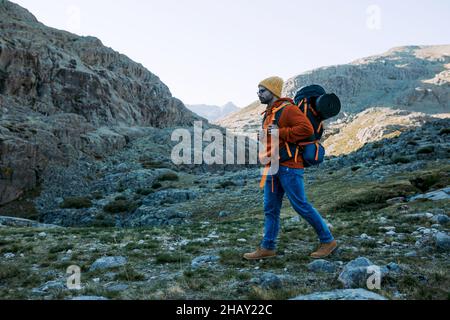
point(308, 92)
point(328, 106)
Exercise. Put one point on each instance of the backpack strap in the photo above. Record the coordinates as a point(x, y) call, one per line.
point(279, 112)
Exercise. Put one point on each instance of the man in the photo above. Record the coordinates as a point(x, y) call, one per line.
point(293, 126)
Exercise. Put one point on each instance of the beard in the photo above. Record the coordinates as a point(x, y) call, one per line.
point(265, 100)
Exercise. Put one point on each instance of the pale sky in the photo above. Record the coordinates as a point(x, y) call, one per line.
point(215, 51)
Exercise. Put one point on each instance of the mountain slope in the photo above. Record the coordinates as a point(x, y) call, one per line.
point(414, 78)
point(63, 97)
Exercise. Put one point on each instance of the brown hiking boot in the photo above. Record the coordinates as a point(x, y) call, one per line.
point(260, 253)
point(324, 250)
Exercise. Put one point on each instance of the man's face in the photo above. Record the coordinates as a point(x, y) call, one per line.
point(264, 95)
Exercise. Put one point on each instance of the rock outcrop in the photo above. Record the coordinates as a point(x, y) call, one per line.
point(414, 78)
point(63, 97)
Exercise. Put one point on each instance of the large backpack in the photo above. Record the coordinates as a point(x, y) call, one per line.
point(318, 106)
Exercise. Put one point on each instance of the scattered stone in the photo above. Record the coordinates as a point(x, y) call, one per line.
point(442, 241)
point(411, 254)
point(391, 233)
point(204, 260)
point(42, 235)
point(442, 194)
point(441, 219)
point(322, 266)
point(270, 281)
point(355, 273)
point(50, 285)
point(383, 220)
point(388, 228)
point(108, 263)
point(391, 268)
point(224, 214)
point(347, 294)
point(9, 255)
point(396, 200)
point(241, 240)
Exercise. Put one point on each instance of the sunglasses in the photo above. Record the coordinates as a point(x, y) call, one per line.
point(261, 91)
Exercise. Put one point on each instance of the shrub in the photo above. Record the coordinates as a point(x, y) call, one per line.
point(97, 195)
point(400, 159)
point(169, 176)
point(76, 203)
point(226, 184)
point(426, 150)
point(144, 191)
point(119, 206)
point(156, 185)
point(444, 131)
point(426, 181)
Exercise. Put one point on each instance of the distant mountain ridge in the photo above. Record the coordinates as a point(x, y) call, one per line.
point(213, 113)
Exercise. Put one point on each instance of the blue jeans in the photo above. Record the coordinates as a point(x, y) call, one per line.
point(289, 181)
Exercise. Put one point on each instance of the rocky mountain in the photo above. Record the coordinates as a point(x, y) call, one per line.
point(63, 96)
point(213, 113)
point(414, 78)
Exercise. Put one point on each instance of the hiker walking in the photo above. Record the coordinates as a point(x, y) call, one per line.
point(293, 126)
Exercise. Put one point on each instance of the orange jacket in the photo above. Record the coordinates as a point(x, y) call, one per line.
point(293, 126)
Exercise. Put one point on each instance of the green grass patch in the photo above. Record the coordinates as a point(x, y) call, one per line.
point(171, 258)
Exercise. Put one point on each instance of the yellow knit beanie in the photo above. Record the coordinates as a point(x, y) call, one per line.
point(274, 85)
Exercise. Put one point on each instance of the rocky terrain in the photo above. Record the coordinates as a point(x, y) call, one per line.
point(213, 113)
point(93, 186)
point(387, 204)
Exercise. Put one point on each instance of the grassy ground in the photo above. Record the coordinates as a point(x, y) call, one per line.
point(159, 259)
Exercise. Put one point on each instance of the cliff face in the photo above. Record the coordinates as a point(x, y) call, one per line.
point(63, 96)
point(53, 71)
